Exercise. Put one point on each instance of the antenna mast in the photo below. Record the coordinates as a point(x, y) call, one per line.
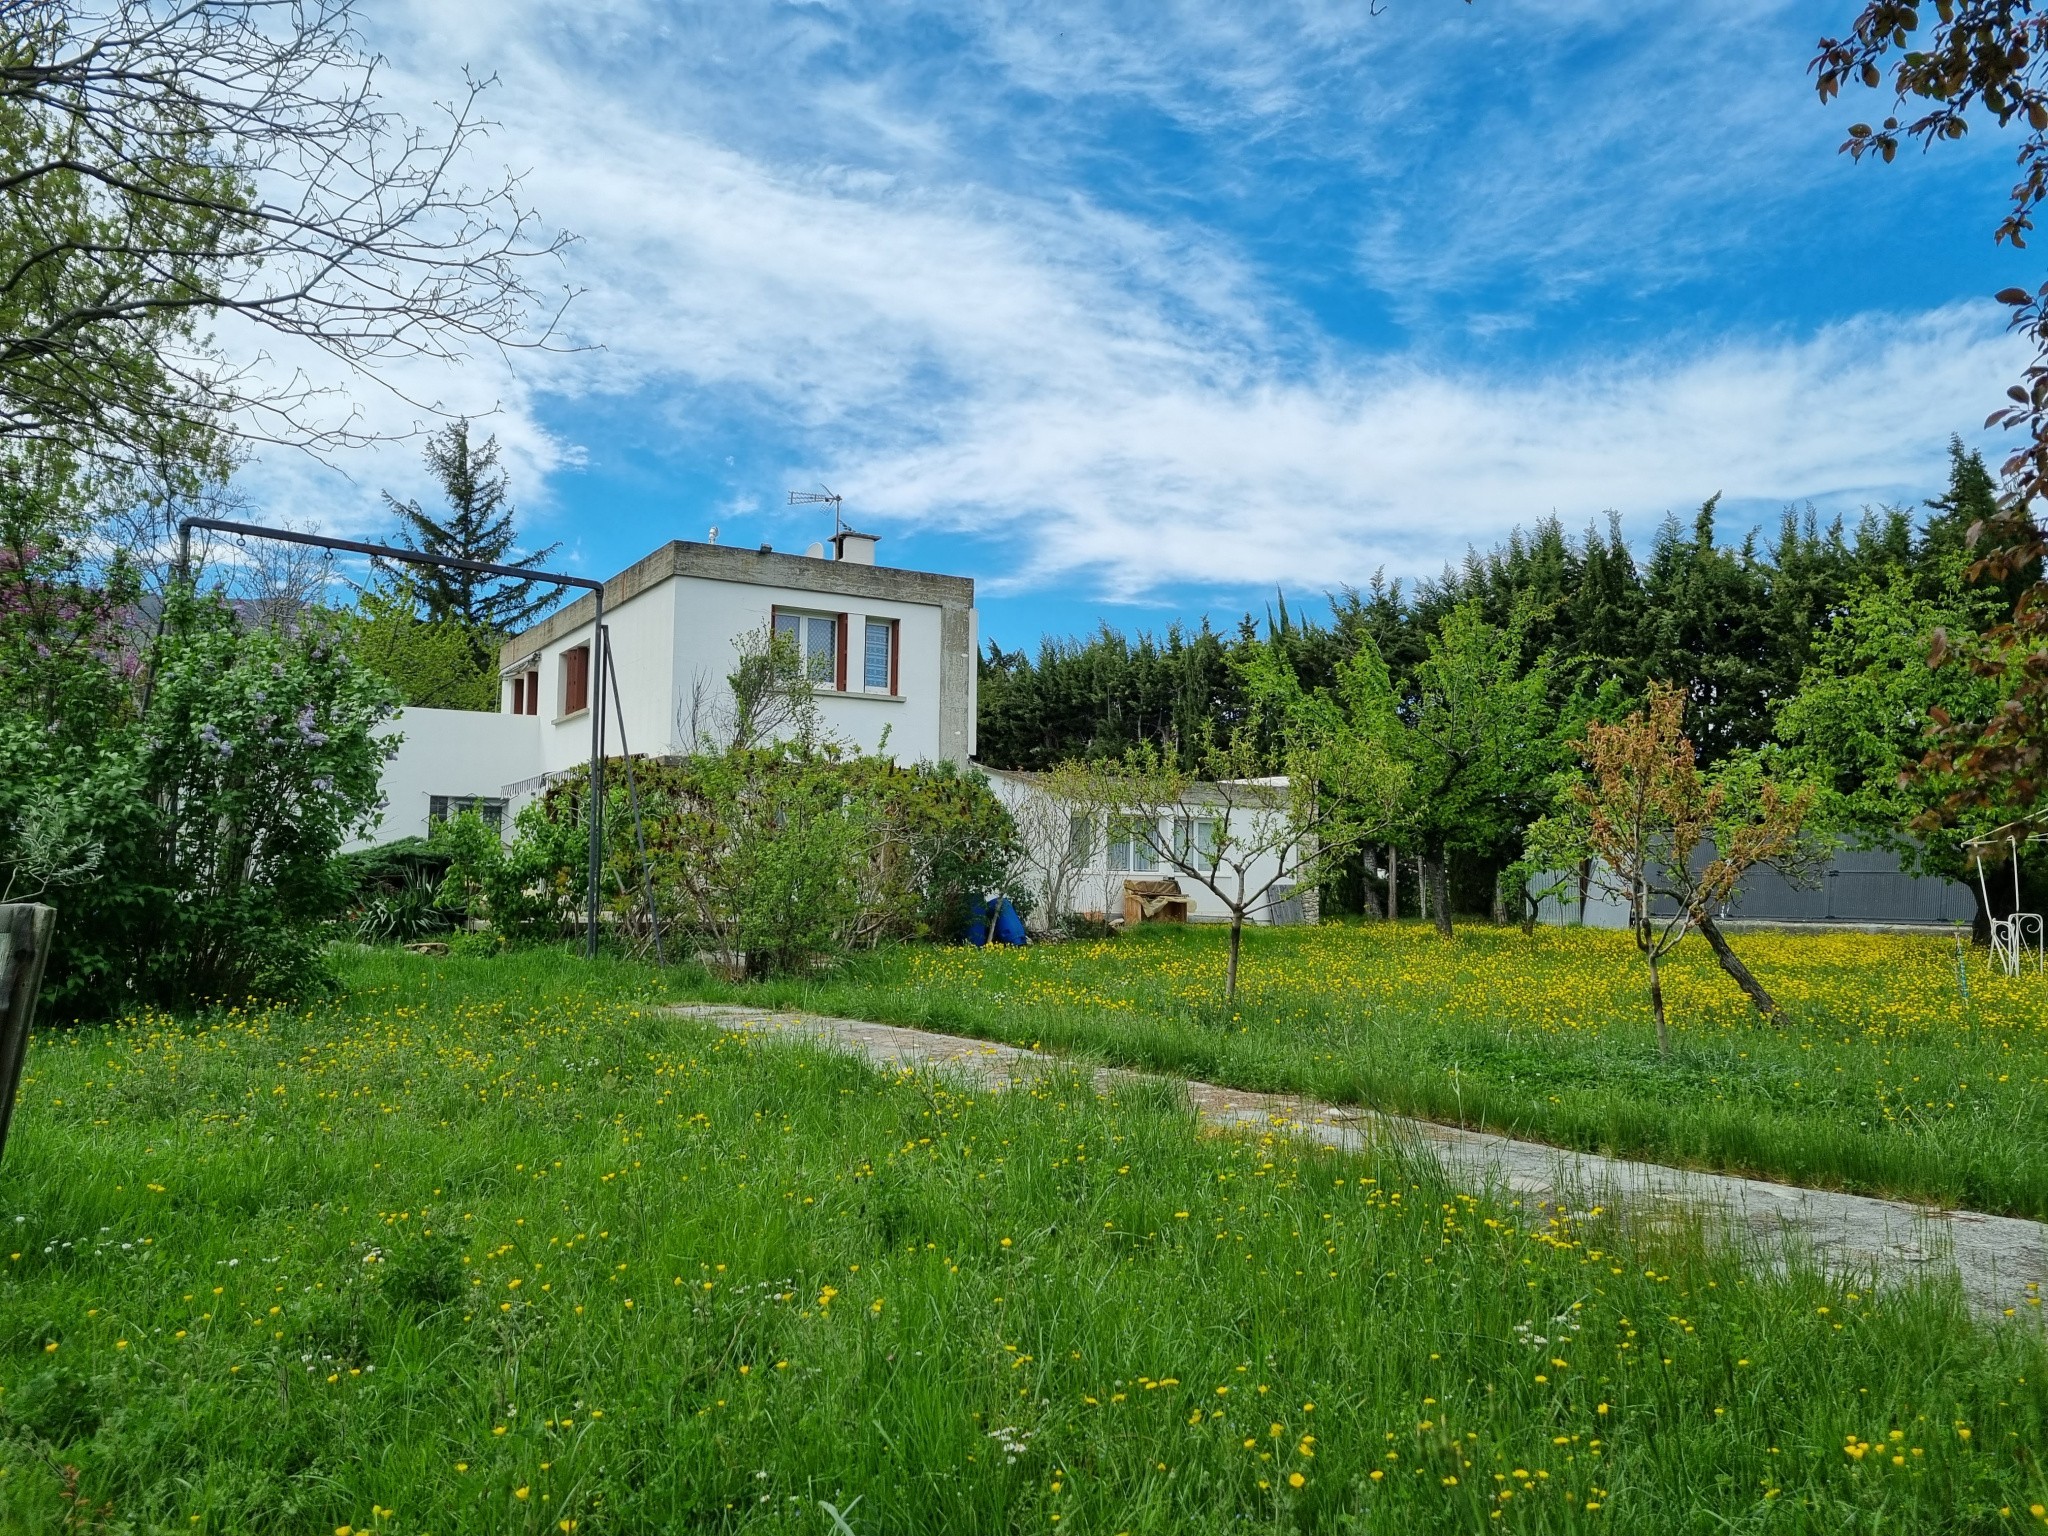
point(823, 495)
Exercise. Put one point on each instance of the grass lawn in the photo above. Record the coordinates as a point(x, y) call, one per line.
point(1882, 1078)
point(490, 1246)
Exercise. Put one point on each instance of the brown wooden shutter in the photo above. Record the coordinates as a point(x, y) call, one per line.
point(845, 639)
point(576, 679)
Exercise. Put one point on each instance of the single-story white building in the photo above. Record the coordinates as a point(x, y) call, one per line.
point(1078, 860)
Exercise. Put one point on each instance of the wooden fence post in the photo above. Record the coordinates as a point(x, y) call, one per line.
point(25, 934)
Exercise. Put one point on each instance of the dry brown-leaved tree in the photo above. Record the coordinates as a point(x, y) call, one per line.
point(1639, 813)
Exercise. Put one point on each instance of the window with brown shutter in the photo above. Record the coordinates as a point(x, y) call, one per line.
point(533, 693)
point(576, 680)
point(519, 695)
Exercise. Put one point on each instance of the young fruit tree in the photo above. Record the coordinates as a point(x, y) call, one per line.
point(1236, 830)
point(1636, 818)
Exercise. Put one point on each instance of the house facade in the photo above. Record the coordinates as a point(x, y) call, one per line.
point(891, 655)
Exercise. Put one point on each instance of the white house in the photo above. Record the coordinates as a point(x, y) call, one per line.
point(1078, 861)
point(892, 653)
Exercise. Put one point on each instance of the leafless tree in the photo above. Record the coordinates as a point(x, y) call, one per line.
point(1056, 839)
point(168, 164)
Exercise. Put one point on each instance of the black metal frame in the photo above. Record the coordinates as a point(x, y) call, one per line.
point(600, 657)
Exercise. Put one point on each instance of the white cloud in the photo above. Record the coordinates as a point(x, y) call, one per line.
point(1318, 484)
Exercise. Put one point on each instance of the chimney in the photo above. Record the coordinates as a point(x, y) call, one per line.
point(855, 548)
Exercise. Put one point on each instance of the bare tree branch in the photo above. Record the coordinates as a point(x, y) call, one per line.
point(166, 165)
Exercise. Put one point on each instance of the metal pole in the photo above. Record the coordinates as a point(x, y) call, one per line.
point(633, 793)
point(596, 684)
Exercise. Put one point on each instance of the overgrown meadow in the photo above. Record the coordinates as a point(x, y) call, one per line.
point(1883, 1076)
point(497, 1246)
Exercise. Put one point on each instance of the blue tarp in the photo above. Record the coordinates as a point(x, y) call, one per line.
point(1009, 927)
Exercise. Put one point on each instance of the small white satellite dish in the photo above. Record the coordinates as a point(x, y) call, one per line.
point(712, 537)
point(815, 552)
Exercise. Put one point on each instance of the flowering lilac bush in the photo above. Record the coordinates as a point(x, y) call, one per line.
point(215, 811)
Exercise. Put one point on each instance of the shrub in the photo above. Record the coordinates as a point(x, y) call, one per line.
point(533, 889)
point(768, 857)
point(212, 806)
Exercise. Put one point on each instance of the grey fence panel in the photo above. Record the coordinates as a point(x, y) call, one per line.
point(1766, 894)
point(1859, 885)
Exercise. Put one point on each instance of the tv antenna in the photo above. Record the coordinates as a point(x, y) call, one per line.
point(824, 495)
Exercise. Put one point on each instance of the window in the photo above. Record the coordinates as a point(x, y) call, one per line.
point(1080, 838)
point(442, 808)
point(575, 680)
point(878, 660)
point(816, 638)
point(1130, 846)
point(1194, 839)
point(526, 693)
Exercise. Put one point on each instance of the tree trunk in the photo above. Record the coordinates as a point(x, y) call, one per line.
point(1980, 925)
point(1752, 988)
point(1439, 893)
point(1230, 966)
point(1657, 1004)
point(1393, 884)
point(1585, 887)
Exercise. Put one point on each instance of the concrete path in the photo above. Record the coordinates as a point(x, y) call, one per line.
point(1998, 1257)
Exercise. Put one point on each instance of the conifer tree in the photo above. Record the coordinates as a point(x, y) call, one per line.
point(478, 527)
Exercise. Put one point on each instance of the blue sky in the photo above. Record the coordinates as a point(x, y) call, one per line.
point(1138, 312)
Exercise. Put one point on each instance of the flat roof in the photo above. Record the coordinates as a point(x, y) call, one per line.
point(752, 567)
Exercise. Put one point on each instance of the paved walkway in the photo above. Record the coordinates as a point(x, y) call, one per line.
point(1996, 1256)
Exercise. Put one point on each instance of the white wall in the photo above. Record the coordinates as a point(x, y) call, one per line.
point(709, 614)
point(1044, 825)
point(451, 752)
point(680, 631)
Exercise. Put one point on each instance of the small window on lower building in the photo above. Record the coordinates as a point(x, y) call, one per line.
point(1080, 838)
point(1194, 839)
point(1131, 845)
point(442, 808)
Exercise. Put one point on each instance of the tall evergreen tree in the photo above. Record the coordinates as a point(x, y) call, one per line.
point(478, 527)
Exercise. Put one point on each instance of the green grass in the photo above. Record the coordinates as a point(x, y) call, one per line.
point(1882, 1077)
point(491, 1245)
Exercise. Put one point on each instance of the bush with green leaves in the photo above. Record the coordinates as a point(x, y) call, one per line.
point(211, 785)
point(532, 889)
point(766, 858)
